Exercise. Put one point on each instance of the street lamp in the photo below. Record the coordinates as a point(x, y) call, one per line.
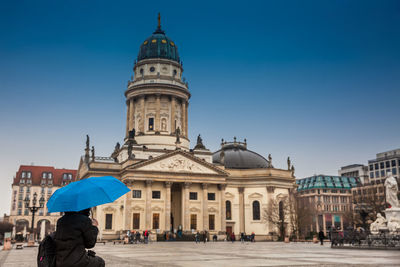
point(34, 208)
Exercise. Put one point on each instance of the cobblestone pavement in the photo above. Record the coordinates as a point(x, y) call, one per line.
point(221, 254)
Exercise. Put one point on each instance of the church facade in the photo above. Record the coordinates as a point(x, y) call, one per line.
point(174, 187)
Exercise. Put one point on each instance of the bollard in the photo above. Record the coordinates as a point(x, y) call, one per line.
point(286, 239)
point(7, 244)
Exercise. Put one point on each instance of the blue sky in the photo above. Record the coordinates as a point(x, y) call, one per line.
point(315, 80)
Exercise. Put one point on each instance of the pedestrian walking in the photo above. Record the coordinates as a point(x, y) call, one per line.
point(215, 238)
point(233, 237)
point(137, 237)
point(321, 237)
point(242, 237)
point(76, 232)
point(197, 237)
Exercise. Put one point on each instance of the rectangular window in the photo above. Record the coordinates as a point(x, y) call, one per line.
point(19, 211)
point(394, 171)
point(28, 189)
point(211, 221)
point(136, 221)
point(211, 196)
point(151, 124)
point(156, 195)
point(371, 175)
point(156, 220)
point(136, 193)
point(382, 165)
point(193, 195)
point(109, 221)
point(371, 167)
point(26, 212)
point(23, 175)
point(393, 163)
point(377, 174)
point(49, 191)
point(387, 164)
point(382, 173)
point(193, 221)
point(376, 166)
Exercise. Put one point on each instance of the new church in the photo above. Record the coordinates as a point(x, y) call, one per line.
point(176, 186)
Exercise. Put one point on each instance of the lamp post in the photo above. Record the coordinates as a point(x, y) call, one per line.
point(33, 209)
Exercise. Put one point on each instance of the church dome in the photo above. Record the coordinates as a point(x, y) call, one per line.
point(235, 155)
point(158, 45)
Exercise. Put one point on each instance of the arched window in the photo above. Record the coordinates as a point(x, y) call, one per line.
point(228, 210)
point(44, 175)
point(281, 213)
point(256, 210)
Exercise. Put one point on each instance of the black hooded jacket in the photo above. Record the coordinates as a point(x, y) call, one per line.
point(74, 233)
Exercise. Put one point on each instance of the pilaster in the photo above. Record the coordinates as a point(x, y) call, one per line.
point(241, 210)
point(222, 188)
point(205, 206)
point(172, 115)
point(148, 204)
point(168, 206)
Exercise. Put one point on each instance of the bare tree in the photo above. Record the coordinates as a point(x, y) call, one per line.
point(303, 213)
point(277, 215)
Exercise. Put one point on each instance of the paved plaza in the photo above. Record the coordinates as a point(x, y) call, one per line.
point(221, 254)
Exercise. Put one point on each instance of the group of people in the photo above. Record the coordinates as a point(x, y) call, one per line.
point(134, 237)
point(203, 235)
point(243, 237)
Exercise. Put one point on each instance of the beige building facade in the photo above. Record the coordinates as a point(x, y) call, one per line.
point(174, 187)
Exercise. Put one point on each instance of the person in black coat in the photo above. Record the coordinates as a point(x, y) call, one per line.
point(321, 237)
point(75, 232)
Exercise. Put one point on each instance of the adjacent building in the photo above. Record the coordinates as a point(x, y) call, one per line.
point(358, 171)
point(175, 186)
point(329, 199)
point(384, 162)
point(42, 180)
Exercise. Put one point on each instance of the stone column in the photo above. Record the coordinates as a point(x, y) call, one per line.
point(186, 225)
point(241, 210)
point(205, 206)
point(183, 130)
point(148, 204)
point(186, 122)
point(126, 212)
point(132, 114)
point(222, 188)
point(127, 119)
point(143, 126)
point(157, 119)
point(172, 121)
point(168, 206)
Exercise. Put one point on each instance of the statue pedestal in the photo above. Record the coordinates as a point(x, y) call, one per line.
point(393, 219)
point(392, 213)
point(31, 240)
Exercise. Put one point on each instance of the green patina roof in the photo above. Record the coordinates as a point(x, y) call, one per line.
point(158, 45)
point(326, 182)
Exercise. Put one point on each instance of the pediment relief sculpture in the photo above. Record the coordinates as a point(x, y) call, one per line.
point(177, 163)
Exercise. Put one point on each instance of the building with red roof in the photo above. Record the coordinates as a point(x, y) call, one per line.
point(44, 181)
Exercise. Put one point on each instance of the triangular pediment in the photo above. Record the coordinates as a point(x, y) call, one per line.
point(179, 162)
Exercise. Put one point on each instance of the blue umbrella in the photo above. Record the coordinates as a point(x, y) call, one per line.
point(86, 193)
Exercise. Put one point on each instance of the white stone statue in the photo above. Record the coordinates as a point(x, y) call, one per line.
point(391, 191)
point(394, 224)
point(380, 222)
